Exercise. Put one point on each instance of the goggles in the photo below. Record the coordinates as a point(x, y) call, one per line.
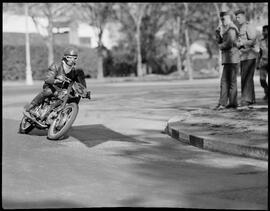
point(74, 58)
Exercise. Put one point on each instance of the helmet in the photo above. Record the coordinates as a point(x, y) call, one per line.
point(70, 56)
point(70, 51)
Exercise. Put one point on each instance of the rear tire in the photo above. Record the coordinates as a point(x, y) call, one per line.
point(25, 126)
point(70, 113)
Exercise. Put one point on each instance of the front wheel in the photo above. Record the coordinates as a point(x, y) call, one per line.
point(63, 122)
point(25, 126)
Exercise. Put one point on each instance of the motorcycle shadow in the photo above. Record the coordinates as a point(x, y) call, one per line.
point(90, 135)
point(39, 132)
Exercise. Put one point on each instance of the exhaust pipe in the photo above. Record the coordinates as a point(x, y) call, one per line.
point(33, 119)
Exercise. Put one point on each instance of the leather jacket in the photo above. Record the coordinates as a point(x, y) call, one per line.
point(57, 69)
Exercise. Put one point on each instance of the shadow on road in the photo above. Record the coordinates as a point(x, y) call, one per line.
point(89, 135)
point(54, 203)
point(92, 135)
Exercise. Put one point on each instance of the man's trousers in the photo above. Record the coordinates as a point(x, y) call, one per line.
point(263, 76)
point(247, 69)
point(228, 85)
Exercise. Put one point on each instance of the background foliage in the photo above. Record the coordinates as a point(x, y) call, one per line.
point(14, 65)
point(162, 27)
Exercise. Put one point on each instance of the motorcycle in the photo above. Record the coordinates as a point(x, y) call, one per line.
point(56, 113)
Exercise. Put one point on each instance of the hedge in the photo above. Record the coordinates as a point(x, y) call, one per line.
point(117, 63)
point(14, 62)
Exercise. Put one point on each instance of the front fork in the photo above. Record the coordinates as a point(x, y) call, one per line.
point(62, 116)
point(60, 122)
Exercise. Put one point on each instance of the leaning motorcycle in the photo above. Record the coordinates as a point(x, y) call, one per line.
point(58, 112)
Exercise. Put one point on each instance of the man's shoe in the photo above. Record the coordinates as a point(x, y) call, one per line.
point(246, 104)
point(231, 106)
point(28, 107)
point(219, 107)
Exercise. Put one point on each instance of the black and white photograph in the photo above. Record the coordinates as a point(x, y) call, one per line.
point(135, 105)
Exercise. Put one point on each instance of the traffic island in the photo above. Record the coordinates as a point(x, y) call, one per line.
point(237, 132)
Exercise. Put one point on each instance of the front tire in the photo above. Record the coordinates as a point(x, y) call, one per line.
point(25, 126)
point(63, 122)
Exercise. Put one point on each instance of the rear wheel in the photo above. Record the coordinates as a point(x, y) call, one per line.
point(63, 122)
point(25, 126)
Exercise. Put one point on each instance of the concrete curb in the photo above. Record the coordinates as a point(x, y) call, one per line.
point(217, 146)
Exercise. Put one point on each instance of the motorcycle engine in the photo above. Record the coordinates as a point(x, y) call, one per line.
point(62, 94)
point(44, 110)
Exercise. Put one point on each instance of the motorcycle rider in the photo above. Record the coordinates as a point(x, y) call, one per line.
point(55, 76)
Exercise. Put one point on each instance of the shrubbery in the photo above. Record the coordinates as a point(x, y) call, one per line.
point(14, 62)
point(117, 62)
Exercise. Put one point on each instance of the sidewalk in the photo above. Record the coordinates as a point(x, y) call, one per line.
point(237, 132)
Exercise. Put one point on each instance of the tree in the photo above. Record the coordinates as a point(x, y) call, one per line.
point(189, 68)
point(136, 11)
point(16, 8)
point(51, 12)
point(153, 31)
point(177, 12)
point(98, 15)
point(29, 79)
point(203, 28)
point(219, 58)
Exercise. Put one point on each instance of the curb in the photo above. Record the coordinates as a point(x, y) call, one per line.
point(217, 146)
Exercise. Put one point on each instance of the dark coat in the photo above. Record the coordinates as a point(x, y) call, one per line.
point(57, 69)
point(227, 44)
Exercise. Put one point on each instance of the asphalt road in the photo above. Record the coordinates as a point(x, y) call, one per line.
point(116, 155)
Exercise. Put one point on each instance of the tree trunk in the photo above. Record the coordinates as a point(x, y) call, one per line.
point(139, 56)
point(100, 74)
point(219, 58)
point(189, 68)
point(29, 79)
point(179, 60)
point(50, 41)
point(209, 50)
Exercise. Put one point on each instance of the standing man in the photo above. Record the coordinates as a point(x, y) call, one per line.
point(227, 35)
point(262, 64)
point(248, 56)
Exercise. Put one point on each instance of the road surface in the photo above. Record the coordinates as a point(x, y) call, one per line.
point(116, 154)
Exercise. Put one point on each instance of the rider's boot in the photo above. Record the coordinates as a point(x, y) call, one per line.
point(28, 108)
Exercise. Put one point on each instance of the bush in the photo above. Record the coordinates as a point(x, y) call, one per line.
point(14, 63)
point(199, 64)
point(120, 62)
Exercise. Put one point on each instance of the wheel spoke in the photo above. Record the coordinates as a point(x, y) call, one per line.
point(63, 121)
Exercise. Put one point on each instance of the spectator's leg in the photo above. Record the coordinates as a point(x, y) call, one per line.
point(247, 82)
point(233, 85)
point(263, 75)
point(224, 88)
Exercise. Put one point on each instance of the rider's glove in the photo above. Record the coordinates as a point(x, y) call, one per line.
point(88, 95)
point(59, 79)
